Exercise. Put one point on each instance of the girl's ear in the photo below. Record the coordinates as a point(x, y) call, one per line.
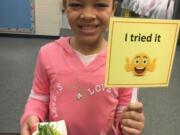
point(115, 5)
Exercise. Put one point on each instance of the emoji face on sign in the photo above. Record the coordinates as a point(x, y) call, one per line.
point(140, 64)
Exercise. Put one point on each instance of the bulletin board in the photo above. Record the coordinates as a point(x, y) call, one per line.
point(17, 16)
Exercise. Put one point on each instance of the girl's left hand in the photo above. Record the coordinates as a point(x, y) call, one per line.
point(132, 119)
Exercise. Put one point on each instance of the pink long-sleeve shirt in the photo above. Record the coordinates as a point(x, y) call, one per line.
point(66, 89)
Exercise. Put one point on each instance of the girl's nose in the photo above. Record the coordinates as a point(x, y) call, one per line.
point(88, 14)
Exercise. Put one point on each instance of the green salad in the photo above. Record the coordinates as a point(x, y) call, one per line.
point(47, 129)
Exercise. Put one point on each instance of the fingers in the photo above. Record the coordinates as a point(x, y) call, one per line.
point(30, 125)
point(25, 130)
point(134, 111)
point(133, 115)
point(135, 125)
point(132, 119)
point(130, 131)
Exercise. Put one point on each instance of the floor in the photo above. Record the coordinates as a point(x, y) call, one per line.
point(17, 59)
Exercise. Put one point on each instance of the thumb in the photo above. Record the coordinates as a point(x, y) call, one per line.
point(32, 123)
point(135, 106)
point(29, 125)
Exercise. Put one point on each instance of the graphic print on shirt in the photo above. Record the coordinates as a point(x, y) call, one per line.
point(86, 92)
point(57, 89)
point(61, 88)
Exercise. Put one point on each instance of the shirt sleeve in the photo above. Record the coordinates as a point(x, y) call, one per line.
point(125, 95)
point(37, 103)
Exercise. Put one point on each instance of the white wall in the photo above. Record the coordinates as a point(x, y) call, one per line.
point(65, 24)
point(48, 17)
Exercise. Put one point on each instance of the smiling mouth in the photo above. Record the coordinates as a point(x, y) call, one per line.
point(88, 26)
point(139, 70)
point(88, 29)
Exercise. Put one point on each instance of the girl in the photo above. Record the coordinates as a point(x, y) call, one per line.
point(69, 76)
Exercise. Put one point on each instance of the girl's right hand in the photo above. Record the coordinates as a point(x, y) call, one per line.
point(29, 125)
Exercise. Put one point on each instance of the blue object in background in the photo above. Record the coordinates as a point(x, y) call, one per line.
point(15, 14)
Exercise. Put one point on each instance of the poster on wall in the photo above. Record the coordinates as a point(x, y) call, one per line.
point(17, 16)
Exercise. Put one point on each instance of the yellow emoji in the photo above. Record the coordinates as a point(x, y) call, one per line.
point(140, 64)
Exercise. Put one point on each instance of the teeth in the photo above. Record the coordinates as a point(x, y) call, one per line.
point(88, 27)
point(139, 68)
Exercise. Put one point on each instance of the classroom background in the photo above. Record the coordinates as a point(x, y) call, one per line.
point(26, 25)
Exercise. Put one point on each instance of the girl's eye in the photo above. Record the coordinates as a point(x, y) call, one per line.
point(75, 5)
point(101, 5)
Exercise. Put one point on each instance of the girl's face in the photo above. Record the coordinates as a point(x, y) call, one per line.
point(89, 18)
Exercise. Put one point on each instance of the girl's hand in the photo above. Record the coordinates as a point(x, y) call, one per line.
point(132, 119)
point(30, 125)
